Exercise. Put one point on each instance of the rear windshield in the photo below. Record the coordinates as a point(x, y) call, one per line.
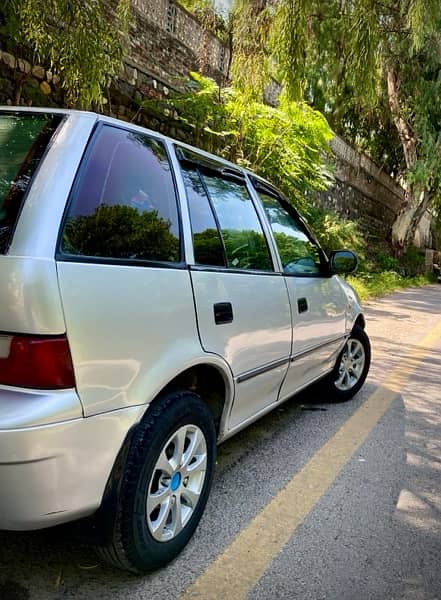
point(23, 139)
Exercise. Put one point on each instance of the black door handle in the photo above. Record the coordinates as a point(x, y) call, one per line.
point(223, 313)
point(302, 305)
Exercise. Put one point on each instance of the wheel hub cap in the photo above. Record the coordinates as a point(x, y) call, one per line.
point(175, 482)
point(351, 365)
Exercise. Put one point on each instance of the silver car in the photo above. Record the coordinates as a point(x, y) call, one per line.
point(154, 300)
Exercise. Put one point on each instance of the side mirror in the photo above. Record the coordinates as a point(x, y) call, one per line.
point(342, 262)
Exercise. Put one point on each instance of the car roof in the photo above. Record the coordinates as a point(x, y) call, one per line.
point(132, 126)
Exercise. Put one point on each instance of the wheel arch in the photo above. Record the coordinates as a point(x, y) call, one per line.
point(213, 382)
point(360, 321)
point(210, 378)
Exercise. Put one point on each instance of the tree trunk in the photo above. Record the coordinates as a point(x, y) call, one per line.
point(416, 201)
point(408, 219)
point(404, 129)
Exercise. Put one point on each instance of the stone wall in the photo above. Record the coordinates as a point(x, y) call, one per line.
point(362, 192)
point(166, 42)
point(169, 42)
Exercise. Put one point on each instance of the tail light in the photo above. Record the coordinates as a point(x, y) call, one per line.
point(40, 362)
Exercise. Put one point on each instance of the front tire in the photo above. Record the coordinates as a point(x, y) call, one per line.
point(351, 368)
point(165, 484)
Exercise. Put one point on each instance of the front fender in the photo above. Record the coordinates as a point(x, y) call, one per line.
point(353, 310)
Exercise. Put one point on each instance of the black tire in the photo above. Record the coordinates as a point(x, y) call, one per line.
point(130, 544)
point(330, 385)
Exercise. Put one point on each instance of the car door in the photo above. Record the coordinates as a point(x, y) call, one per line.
point(318, 302)
point(125, 288)
point(242, 304)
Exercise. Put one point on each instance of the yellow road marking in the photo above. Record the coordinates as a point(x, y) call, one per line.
point(237, 570)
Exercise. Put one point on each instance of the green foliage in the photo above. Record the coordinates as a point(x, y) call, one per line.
point(252, 64)
point(385, 262)
point(287, 145)
point(335, 233)
point(75, 39)
point(208, 15)
point(289, 40)
point(194, 6)
point(372, 67)
point(413, 260)
point(373, 285)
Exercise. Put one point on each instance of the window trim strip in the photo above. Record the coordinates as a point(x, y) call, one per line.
point(121, 262)
point(217, 269)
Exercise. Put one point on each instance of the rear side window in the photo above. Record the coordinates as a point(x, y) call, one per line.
point(226, 229)
point(24, 138)
point(242, 234)
point(124, 204)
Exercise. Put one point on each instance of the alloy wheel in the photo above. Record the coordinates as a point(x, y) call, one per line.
point(176, 483)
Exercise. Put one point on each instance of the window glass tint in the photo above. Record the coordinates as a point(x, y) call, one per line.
point(244, 241)
point(299, 255)
point(125, 204)
point(23, 139)
point(207, 243)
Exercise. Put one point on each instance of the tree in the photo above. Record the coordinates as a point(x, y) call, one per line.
point(80, 44)
point(288, 144)
point(374, 68)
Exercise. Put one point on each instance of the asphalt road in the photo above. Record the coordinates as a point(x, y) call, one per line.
point(343, 501)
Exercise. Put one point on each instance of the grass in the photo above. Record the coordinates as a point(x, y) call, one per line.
point(374, 285)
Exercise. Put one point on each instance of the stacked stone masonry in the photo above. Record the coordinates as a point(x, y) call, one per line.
point(362, 192)
point(170, 41)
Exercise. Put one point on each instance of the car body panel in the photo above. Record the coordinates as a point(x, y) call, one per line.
point(127, 327)
point(259, 335)
point(29, 296)
point(318, 331)
point(30, 408)
point(56, 473)
point(132, 329)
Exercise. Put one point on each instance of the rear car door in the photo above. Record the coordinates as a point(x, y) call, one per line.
point(242, 304)
point(318, 302)
point(125, 288)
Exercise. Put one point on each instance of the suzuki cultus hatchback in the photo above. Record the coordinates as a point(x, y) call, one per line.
point(154, 300)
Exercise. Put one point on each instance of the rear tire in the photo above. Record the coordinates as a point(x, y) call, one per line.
point(164, 486)
point(351, 368)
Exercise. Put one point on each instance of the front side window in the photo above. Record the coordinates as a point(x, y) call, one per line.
point(242, 234)
point(124, 203)
point(24, 138)
point(299, 254)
